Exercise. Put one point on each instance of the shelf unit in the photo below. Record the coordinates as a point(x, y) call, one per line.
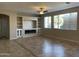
point(19, 22)
point(23, 27)
point(19, 27)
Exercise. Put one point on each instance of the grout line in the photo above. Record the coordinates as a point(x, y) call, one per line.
point(26, 49)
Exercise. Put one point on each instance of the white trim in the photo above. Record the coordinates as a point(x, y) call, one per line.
point(13, 38)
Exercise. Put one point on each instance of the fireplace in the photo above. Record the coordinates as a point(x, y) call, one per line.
point(30, 31)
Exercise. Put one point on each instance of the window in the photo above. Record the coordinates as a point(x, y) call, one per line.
point(58, 21)
point(47, 22)
point(66, 21)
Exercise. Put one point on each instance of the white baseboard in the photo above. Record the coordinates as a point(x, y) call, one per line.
point(13, 38)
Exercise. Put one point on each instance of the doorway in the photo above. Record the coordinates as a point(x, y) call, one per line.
point(4, 26)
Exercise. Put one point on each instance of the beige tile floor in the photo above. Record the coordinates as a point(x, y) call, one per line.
point(38, 47)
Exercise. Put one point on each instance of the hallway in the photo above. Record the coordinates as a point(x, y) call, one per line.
point(38, 47)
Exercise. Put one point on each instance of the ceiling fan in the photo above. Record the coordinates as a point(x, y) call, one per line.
point(42, 11)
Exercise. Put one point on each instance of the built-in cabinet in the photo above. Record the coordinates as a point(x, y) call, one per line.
point(27, 26)
point(19, 27)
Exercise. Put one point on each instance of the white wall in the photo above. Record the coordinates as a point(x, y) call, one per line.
point(13, 26)
point(27, 24)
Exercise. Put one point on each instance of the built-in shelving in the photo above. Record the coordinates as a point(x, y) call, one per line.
point(19, 22)
point(19, 26)
point(27, 27)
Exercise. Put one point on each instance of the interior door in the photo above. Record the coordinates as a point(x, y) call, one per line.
point(4, 26)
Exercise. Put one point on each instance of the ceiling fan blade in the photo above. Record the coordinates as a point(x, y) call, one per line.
point(42, 11)
point(46, 11)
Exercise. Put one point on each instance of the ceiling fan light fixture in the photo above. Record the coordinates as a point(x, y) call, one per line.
point(41, 12)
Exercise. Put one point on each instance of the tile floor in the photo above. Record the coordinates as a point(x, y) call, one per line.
point(38, 47)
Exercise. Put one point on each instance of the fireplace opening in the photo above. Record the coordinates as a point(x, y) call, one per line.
point(30, 31)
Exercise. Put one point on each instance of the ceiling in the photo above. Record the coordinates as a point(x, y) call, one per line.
point(30, 8)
